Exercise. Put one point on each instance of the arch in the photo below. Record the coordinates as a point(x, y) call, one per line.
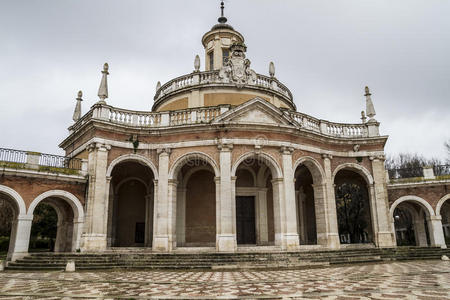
point(16, 197)
point(132, 157)
point(269, 160)
point(182, 160)
point(313, 166)
point(440, 203)
point(413, 198)
point(70, 198)
point(132, 178)
point(357, 168)
point(191, 172)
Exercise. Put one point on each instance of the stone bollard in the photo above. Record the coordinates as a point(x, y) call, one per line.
point(70, 266)
point(2, 265)
point(445, 258)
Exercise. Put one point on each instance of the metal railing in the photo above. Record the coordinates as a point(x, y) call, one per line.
point(12, 155)
point(441, 170)
point(405, 173)
point(39, 159)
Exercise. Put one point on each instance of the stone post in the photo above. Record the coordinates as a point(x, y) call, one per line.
point(162, 237)
point(384, 234)
point(181, 216)
point(95, 229)
point(428, 173)
point(436, 232)
point(291, 241)
point(301, 213)
point(20, 237)
point(76, 233)
point(263, 230)
point(226, 233)
point(332, 232)
point(148, 220)
point(420, 233)
point(278, 208)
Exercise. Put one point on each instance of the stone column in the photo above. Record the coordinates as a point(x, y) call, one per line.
point(263, 230)
point(162, 219)
point(181, 216)
point(278, 208)
point(148, 220)
point(20, 237)
point(95, 229)
point(301, 216)
point(436, 233)
point(76, 233)
point(329, 208)
point(384, 234)
point(419, 232)
point(226, 233)
point(291, 241)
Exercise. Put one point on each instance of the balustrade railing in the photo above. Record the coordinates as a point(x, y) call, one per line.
point(212, 77)
point(39, 159)
point(405, 173)
point(14, 156)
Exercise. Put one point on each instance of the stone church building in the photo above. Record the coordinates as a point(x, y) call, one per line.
point(223, 162)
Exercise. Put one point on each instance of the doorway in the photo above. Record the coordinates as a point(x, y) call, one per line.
point(245, 220)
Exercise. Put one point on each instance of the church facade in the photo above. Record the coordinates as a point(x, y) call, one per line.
point(223, 162)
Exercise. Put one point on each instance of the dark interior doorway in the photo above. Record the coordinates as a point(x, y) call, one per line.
point(245, 220)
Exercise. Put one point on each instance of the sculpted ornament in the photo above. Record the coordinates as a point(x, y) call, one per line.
point(237, 68)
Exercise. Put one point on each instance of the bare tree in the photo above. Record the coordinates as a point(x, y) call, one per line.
point(405, 165)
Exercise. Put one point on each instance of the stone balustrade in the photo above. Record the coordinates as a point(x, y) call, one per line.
point(201, 115)
point(212, 77)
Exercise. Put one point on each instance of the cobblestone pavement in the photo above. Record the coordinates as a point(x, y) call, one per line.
point(406, 280)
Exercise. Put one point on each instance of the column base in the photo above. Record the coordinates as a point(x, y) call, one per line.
point(330, 241)
point(226, 243)
point(16, 255)
point(93, 242)
point(385, 239)
point(162, 244)
point(291, 242)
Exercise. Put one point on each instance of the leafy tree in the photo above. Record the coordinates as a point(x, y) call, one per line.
point(351, 212)
point(43, 231)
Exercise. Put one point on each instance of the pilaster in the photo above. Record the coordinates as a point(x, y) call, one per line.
point(330, 214)
point(384, 235)
point(226, 232)
point(437, 238)
point(94, 234)
point(20, 237)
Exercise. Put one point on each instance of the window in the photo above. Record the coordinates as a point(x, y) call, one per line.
point(225, 55)
point(211, 60)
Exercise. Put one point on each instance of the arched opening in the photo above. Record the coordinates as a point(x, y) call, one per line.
point(8, 215)
point(445, 214)
point(196, 202)
point(411, 224)
point(306, 211)
point(52, 227)
point(353, 208)
point(131, 193)
point(255, 223)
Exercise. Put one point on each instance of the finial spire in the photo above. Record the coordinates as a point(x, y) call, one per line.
point(103, 89)
point(222, 18)
point(77, 111)
point(272, 69)
point(370, 109)
point(197, 63)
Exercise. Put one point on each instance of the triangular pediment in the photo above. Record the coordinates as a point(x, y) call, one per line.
point(255, 111)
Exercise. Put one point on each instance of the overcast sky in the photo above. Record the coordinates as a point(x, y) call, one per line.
point(324, 51)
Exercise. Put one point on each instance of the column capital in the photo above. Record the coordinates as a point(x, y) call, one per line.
point(165, 150)
point(434, 218)
point(108, 179)
point(327, 156)
point(224, 146)
point(286, 150)
point(277, 180)
point(155, 182)
point(217, 179)
point(172, 181)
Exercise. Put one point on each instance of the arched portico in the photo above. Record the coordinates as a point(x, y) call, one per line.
point(424, 219)
point(70, 217)
point(443, 211)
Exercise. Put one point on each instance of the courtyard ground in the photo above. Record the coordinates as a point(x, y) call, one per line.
point(397, 280)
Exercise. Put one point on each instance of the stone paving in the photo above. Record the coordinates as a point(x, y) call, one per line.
point(405, 280)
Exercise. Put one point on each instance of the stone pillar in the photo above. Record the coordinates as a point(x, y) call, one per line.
point(226, 232)
point(291, 241)
point(278, 216)
point(436, 233)
point(148, 220)
point(384, 235)
point(95, 229)
point(331, 236)
point(419, 232)
point(76, 233)
point(301, 216)
point(181, 216)
point(20, 237)
point(320, 206)
point(263, 230)
point(162, 237)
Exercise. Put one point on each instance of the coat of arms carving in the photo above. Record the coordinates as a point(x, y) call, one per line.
point(236, 68)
